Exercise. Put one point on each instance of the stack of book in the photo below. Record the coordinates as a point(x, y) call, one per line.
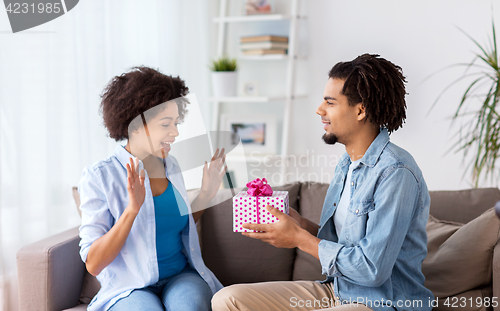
point(263, 45)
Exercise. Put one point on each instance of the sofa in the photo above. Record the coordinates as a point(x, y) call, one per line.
point(463, 262)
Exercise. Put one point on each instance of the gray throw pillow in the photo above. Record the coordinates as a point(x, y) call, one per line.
point(90, 288)
point(311, 199)
point(473, 300)
point(459, 256)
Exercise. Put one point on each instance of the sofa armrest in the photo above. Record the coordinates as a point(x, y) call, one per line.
point(50, 273)
point(496, 275)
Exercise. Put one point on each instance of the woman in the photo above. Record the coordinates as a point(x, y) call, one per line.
point(138, 234)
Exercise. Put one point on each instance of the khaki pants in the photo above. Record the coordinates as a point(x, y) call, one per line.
point(277, 296)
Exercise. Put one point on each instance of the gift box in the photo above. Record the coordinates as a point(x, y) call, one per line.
point(250, 206)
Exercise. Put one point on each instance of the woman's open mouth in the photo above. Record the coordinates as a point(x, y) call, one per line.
point(165, 145)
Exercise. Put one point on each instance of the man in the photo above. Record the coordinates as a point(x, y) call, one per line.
point(371, 239)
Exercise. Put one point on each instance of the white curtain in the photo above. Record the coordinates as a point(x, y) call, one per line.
point(50, 80)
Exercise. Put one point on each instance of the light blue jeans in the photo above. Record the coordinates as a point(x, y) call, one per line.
point(185, 291)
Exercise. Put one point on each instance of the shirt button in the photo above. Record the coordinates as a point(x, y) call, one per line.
point(352, 183)
point(202, 272)
point(357, 211)
point(334, 204)
point(192, 249)
point(338, 298)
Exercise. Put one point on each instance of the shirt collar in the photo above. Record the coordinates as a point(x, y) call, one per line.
point(373, 152)
point(123, 157)
point(377, 146)
point(345, 160)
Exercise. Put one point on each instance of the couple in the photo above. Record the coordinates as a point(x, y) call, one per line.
point(138, 233)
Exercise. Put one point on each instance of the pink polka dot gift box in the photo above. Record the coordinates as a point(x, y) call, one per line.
point(250, 206)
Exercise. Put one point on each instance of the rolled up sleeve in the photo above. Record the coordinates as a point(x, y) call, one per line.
point(96, 216)
point(327, 253)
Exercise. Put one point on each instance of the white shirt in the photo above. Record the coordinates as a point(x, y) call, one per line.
point(104, 197)
point(341, 211)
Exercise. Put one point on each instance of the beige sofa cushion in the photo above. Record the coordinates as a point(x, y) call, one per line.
point(80, 307)
point(459, 256)
point(90, 288)
point(462, 205)
point(311, 198)
point(473, 300)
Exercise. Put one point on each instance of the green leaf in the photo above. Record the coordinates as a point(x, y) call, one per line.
point(481, 136)
point(224, 64)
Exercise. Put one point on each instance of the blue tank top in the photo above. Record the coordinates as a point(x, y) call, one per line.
point(169, 225)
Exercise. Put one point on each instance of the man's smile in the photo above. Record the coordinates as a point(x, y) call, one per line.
point(325, 123)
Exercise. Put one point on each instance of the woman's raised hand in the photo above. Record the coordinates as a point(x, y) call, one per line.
point(212, 174)
point(135, 185)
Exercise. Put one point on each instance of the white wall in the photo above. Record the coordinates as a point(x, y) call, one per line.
point(421, 37)
point(50, 129)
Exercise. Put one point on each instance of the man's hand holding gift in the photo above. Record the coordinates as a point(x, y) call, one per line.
point(285, 233)
point(272, 220)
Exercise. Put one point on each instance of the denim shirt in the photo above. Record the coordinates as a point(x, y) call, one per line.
point(104, 197)
point(377, 259)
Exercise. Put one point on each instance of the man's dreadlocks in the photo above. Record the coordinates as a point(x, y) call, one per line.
point(376, 83)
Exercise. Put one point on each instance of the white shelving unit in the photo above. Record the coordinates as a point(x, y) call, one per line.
point(263, 57)
point(250, 18)
point(224, 21)
point(251, 99)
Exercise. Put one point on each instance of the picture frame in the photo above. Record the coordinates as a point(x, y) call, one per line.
point(256, 132)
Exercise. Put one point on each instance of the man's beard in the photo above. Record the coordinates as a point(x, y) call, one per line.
point(330, 139)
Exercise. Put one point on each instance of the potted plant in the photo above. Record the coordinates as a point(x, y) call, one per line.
point(482, 135)
point(224, 77)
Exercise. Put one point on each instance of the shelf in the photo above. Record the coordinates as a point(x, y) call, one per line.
point(246, 99)
point(250, 99)
point(223, 22)
point(263, 57)
point(269, 57)
point(251, 18)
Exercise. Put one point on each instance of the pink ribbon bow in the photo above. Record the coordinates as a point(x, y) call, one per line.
point(256, 188)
